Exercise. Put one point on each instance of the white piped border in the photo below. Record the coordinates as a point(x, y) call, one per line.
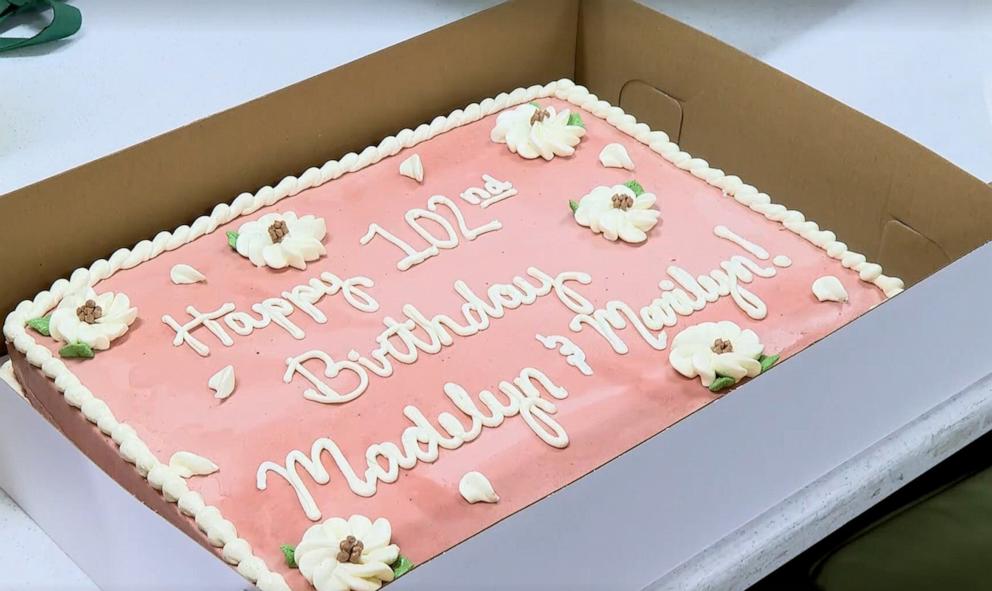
point(221, 532)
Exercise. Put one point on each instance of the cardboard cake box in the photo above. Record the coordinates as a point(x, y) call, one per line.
point(875, 188)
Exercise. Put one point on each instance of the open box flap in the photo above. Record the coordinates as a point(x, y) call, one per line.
point(883, 194)
point(57, 225)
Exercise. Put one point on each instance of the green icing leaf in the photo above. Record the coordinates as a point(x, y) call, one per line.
point(72, 350)
point(576, 119)
point(232, 240)
point(721, 383)
point(573, 204)
point(64, 21)
point(535, 104)
point(767, 361)
point(41, 324)
point(289, 553)
point(402, 566)
point(635, 187)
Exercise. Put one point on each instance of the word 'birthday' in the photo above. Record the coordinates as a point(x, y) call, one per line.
point(401, 341)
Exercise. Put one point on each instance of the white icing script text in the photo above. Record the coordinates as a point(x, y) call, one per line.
point(422, 441)
point(400, 342)
point(272, 310)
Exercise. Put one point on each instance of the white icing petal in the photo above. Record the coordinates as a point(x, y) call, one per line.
point(597, 213)
point(413, 167)
point(300, 245)
point(546, 137)
point(692, 352)
point(829, 289)
point(222, 382)
point(316, 554)
point(184, 274)
point(615, 156)
point(187, 464)
point(116, 316)
point(476, 488)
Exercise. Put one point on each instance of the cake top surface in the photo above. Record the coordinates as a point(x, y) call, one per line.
point(444, 326)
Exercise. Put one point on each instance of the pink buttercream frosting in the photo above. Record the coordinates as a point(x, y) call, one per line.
point(161, 390)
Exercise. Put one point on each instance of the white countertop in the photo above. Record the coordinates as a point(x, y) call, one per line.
point(918, 66)
point(29, 561)
point(138, 70)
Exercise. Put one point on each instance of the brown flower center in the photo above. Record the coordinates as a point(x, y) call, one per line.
point(89, 312)
point(350, 550)
point(539, 115)
point(722, 346)
point(277, 231)
point(623, 202)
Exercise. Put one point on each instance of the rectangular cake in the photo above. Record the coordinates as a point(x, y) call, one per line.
point(333, 380)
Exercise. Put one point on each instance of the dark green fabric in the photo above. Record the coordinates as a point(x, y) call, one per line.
point(941, 541)
point(66, 20)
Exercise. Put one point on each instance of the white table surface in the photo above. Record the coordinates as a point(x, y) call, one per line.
point(139, 69)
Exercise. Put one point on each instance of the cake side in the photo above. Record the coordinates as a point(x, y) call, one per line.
point(47, 401)
point(220, 530)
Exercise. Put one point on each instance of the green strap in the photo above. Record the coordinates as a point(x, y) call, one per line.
point(66, 20)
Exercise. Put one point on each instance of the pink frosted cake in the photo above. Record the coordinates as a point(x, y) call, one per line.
point(342, 376)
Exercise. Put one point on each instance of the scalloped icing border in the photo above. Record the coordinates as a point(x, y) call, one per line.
point(220, 532)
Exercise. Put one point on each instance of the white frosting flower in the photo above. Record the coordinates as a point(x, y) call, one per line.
point(617, 212)
point(712, 348)
point(318, 554)
point(537, 131)
point(279, 240)
point(86, 317)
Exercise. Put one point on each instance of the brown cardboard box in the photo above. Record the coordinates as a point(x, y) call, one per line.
point(879, 191)
point(883, 194)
